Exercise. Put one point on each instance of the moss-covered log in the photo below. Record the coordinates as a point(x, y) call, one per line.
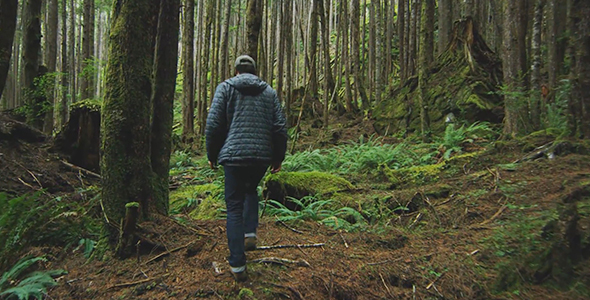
point(126, 170)
point(465, 81)
point(282, 185)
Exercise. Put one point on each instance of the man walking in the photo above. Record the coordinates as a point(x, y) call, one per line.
point(246, 134)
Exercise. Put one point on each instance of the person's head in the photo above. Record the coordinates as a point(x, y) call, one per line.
point(245, 64)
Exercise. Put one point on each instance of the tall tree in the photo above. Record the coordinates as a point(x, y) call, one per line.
point(328, 76)
point(580, 105)
point(188, 84)
point(72, 52)
point(165, 63)
point(425, 60)
point(126, 170)
point(514, 51)
point(401, 33)
point(31, 49)
point(254, 24)
point(8, 9)
point(535, 90)
point(63, 112)
point(225, 67)
point(87, 78)
point(445, 24)
point(557, 42)
point(355, 48)
point(312, 89)
point(51, 57)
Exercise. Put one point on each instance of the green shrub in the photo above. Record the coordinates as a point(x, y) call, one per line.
point(31, 285)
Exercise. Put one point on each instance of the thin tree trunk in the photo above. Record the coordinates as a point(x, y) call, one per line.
point(313, 47)
point(165, 63)
point(426, 59)
point(356, 59)
point(225, 67)
point(63, 111)
point(557, 40)
point(188, 85)
point(328, 76)
point(8, 10)
point(31, 50)
point(535, 90)
point(87, 80)
point(72, 52)
point(401, 33)
point(51, 60)
point(254, 23)
point(350, 106)
point(445, 24)
point(207, 43)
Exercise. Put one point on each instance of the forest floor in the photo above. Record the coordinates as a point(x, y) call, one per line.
point(485, 227)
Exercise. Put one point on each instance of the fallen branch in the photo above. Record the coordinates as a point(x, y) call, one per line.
point(386, 287)
point(416, 220)
point(128, 284)
point(88, 172)
point(434, 281)
point(494, 216)
point(345, 243)
point(290, 246)
point(383, 262)
point(289, 227)
point(281, 261)
point(168, 252)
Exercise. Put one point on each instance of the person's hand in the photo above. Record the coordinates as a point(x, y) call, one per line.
point(212, 166)
point(275, 168)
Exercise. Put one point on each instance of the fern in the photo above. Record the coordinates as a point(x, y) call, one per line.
point(33, 285)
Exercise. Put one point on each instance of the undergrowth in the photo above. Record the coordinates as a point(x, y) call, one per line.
point(16, 284)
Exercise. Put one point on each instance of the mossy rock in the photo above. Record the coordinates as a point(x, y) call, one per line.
point(282, 185)
point(211, 208)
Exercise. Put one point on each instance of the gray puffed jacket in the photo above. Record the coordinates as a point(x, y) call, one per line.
point(245, 125)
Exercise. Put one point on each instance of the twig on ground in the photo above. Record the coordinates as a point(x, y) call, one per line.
point(281, 261)
point(345, 243)
point(193, 229)
point(289, 227)
point(416, 220)
point(128, 284)
point(168, 252)
point(434, 281)
point(80, 169)
point(290, 288)
point(32, 187)
point(494, 216)
point(386, 287)
point(290, 246)
point(427, 200)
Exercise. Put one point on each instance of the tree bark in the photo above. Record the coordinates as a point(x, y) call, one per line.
point(513, 48)
point(165, 63)
point(188, 84)
point(31, 49)
point(8, 9)
point(445, 24)
point(207, 43)
point(72, 52)
point(536, 99)
point(401, 33)
point(254, 24)
point(87, 78)
point(51, 61)
point(356, 56)
point(426, 59)
point(581, 78)
point(63, 107)
point(126, 170)
point(225, 67)
point(557, 42)
point(312, 89)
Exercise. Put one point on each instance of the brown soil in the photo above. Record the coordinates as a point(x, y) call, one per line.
point(435, 252)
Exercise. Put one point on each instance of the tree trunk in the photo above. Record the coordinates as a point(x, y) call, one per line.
point(356, 56)
point(401, 33)
point(254, 24)
point(8, 9)
point(87, 78)
point(188, 85)
point(445, 24)
point(126, 170)
point(557, 42)
point(535, 97)
point(165, 62)
point(225, 67)
point(205, 59)
point(426, 59)
point(51, 60)
point(31, 49)
point(350, 105)
point(63, 107)
point(581, 78)
point(72, 52)
point(514, 45)
point(413, 50)
point(312, 89)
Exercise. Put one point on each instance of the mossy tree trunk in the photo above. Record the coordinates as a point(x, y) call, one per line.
point(87, 78)
point(581, 93)
point(163, 96)
point(445, 24)
point(425, 60)
point(188, 84)
point(126, 167)
point(31, 48)
point(8, 10)
point(254, 24)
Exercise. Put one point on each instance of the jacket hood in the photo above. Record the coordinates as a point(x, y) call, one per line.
point(248, 84)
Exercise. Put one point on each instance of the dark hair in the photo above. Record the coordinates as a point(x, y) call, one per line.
point(246, 69)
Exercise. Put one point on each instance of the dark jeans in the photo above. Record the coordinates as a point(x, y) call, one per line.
point(241, 199)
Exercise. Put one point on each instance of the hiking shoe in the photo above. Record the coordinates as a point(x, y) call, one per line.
point(240, 276)
point(250, 243)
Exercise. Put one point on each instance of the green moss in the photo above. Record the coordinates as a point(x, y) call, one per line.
point(91, 104)
point(209, 209)
point(413, 175)
point(186, 196)
point(315, 182)
point(132, 204)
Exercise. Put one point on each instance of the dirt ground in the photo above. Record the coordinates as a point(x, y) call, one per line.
point(438, 251)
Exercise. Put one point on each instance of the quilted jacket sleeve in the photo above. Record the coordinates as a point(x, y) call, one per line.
point(216, 128)
point(279, 133)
